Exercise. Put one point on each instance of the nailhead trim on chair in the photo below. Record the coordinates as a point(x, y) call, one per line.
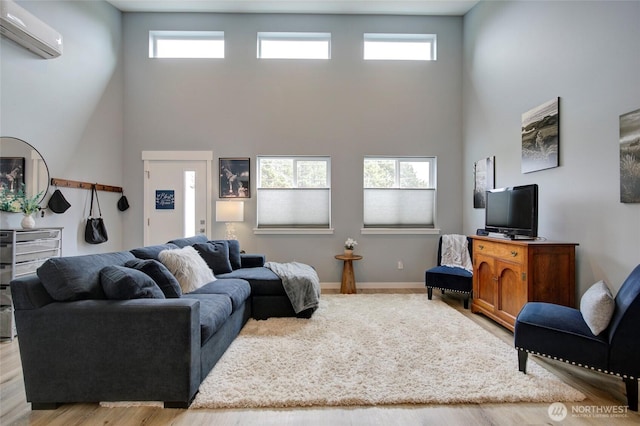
point(624, 376)
point(446, 289)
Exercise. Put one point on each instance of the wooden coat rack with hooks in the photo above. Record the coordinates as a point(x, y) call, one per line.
point(84, 185)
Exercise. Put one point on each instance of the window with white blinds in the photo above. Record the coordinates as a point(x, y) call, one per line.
point(294, 192)
point(399, 192)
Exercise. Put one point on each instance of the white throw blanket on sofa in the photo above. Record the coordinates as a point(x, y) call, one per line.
point(300, 282)
point(455, 252)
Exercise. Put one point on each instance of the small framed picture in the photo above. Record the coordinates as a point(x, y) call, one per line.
point(12, 174)
point(235, 178)
point(165, 199)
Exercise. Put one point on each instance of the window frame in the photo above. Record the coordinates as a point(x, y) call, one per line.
point(267, 36)
point(430, 39)
point(268, 229)
point(158, 35)
point(432, 187)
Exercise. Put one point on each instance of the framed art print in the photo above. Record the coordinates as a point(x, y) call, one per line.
point(165, 199)
point(235, 178)
point(630, 157)
point(483, 172)
point(540, 137)
point(12, 174)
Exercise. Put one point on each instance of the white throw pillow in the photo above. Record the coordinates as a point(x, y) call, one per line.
point(191, 271)
point(597, 306)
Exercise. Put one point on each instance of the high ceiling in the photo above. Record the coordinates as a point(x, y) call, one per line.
point(374, 7)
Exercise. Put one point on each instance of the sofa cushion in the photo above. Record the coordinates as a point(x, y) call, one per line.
point(188, 267)
point(215, 310)
point(160, 274)
point(252, 260)
point(237, 290)
point(78, 277)
point(216, 255)
point(152, 252)
point(597, 306)
point(263, 281)
point(123, 283)
point(189, 241)
point(234, 252)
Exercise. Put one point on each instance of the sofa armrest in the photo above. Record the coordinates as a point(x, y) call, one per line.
point(28, 293)
point(106, 350)
point(252, 260)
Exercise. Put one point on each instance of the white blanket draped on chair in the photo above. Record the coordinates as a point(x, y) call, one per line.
point(455, 252)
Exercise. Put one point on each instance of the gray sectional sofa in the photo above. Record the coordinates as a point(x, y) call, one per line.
point(81, 340)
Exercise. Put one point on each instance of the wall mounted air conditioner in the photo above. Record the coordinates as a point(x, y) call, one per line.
point(28, 31)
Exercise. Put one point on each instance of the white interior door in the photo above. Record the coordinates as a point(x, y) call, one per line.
point(177, 196)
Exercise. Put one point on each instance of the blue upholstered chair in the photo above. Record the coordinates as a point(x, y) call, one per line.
point(561, 333)
point(448, 278)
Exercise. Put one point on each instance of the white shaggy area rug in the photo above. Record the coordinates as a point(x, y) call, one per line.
point(372, 349)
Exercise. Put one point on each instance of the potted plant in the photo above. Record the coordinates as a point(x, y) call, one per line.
point(28, 206)
point(349, 245)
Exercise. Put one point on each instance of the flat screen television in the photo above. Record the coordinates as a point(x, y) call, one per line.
point(513, 211)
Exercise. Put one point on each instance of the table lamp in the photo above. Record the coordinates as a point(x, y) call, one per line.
point(230, 212)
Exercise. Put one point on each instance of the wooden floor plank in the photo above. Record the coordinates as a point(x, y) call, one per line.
point(601, 390)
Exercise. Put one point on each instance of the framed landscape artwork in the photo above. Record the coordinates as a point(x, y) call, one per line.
point(630, 157)
point(234, 178)
point(540, 137)
point(483, 173)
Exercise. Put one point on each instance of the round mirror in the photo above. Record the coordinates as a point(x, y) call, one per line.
point(23, 174)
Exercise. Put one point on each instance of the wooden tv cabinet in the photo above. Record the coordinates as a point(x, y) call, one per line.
point(509, 273)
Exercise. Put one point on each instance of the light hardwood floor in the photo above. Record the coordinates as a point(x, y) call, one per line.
point(603, 393)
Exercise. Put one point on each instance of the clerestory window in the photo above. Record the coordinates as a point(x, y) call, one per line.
point(288, 45)
point(400, 47)
point(186, 44)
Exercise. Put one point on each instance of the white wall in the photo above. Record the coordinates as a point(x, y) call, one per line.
point(518, 55)
point(345, 108)
point(70, 109)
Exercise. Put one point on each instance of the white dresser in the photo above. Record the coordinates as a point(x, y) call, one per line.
point(22, 251)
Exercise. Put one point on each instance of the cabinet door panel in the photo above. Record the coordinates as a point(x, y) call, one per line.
point(512, 289)
point(485, 288)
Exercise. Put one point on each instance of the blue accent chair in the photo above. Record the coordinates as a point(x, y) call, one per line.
point(447, 278)
point(560, 333)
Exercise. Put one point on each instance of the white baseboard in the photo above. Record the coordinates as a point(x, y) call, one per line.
point(375, 285)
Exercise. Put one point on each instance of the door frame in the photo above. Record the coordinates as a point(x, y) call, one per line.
point(149, 156)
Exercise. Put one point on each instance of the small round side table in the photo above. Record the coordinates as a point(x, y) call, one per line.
point(348, 285)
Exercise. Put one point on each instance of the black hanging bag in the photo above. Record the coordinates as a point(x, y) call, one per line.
point(95, 232)
point(123, 203)
point(57, 203)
